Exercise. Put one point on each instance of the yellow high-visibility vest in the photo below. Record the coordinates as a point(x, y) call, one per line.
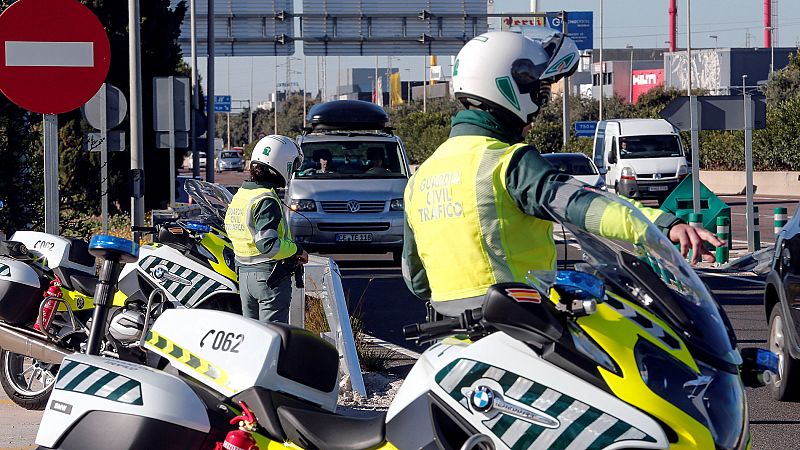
point(469, 232)
point(240, 228)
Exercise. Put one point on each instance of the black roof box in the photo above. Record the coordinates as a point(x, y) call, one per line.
point(347, 115)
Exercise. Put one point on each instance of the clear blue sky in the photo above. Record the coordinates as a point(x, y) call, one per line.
point(641, 23)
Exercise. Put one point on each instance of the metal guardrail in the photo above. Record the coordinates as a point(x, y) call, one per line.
point(323, 280)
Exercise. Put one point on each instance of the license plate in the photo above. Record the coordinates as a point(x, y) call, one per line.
point(658, 188)
point(354, 237)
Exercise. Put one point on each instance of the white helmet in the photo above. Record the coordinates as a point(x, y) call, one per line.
point(509, 73)
point(281, 154)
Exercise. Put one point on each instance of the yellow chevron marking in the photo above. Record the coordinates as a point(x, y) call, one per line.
point(203, 370)
point(185, 357)
point(203, 366)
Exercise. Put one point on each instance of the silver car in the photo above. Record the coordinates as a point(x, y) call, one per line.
point(230, 160)
point(348, 195)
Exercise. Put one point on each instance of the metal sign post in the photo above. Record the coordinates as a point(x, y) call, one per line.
point(103, 159)
point(565, 94)
point(51, 174)
point(694, 121)
point(106, 110)
point(171, 119)
point(171, 126)
point(748, 168)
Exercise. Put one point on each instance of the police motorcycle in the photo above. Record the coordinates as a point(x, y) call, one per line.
point(47, 284)
point(628, 350)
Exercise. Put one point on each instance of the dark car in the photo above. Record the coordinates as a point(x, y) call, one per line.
point(578, 165)
point(782, 307)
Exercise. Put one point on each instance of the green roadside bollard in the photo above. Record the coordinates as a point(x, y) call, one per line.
point(723, 233)
point(695, 221)
point(756, 229)
point(781, 217)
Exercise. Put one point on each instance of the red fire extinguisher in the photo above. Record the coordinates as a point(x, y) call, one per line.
point(241, 439)
point(52, 292)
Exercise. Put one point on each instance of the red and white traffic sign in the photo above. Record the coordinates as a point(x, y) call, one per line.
point(54, 55)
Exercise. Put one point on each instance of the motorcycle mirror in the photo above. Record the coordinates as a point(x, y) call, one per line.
point(758, 366)
point(198, 227)
point(578, 293)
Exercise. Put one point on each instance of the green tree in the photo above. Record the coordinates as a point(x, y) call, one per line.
point(79, 177)
point(785, 83)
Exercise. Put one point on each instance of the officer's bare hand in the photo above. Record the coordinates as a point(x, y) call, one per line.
point(303, 257)
point(693, 238)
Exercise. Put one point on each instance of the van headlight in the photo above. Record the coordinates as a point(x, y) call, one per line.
point(303, 205)
point(396, 204)
point(682, 171)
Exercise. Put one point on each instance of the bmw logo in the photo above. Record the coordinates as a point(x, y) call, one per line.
point(159, 272)
point(482, 398)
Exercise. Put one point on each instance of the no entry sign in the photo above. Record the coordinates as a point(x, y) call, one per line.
point(54, 55)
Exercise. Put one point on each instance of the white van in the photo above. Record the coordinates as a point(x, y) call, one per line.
point(641, 158)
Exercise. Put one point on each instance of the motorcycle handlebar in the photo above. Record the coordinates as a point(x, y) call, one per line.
point(469, 321)
point(428, 331)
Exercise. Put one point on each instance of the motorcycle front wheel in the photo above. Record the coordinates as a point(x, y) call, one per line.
point(27, 381)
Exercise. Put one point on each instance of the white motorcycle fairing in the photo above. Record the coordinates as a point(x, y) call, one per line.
point(185, 281)
point(501, 388)
point(126, 401)
point(230, 353)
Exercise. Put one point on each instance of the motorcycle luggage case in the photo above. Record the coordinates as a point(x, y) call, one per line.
point(20, 292)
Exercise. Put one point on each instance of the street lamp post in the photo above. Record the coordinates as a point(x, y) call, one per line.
point(602, 86)
point(772, 50)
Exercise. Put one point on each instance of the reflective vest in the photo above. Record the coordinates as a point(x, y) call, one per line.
point(243, 235)
point(469, 232)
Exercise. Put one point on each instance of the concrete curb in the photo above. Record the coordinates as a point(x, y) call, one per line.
point(723, 182)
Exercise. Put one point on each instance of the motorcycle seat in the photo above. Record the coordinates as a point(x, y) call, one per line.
point(319, 372)
point(313, 429)
point(84, 284)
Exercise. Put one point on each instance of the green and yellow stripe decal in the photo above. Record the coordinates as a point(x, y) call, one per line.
point(581, 426)
point(172, 351)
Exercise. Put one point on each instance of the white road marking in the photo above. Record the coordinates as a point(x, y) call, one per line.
point(49, 54)
point(732, 277)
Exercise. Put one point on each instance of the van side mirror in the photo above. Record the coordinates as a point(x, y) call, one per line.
point(612, 157)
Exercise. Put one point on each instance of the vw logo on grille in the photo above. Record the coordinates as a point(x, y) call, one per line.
point(353, 206)
point(657, 176)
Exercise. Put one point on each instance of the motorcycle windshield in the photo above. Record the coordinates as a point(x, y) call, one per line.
point(212, 199)
point(641, 262)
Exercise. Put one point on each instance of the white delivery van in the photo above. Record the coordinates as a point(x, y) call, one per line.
point(641, 158)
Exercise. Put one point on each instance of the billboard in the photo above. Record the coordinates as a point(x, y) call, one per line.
point(579, 25)
point(411, 27)
point(242, 28)
point(644, 80)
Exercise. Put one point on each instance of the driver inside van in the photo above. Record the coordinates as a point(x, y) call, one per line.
point(376, 157)
point(321, 162)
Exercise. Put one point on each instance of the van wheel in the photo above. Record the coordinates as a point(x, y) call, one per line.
point(27, 381)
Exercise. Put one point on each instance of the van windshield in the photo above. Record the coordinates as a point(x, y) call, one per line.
point(655, 146)
point(352, 159)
